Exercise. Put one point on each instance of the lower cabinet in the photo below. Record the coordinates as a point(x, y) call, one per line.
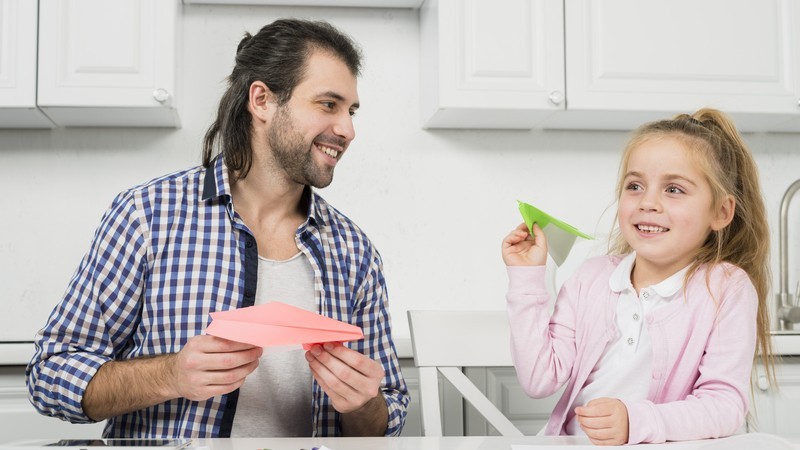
point(774, 407)
point(500, 385)
point(19, 420)
point(459, 418)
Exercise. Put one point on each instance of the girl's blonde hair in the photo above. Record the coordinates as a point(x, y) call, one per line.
point(730, 169)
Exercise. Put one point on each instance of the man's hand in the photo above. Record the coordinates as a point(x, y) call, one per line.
point(605, 421)
point(208, 366)
point(353, 382)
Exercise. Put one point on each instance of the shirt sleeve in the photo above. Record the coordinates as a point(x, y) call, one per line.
point(94, 319)
point(719, 400)
point(372, 315)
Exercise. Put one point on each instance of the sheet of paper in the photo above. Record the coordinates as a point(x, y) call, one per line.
point(560, 235)
point(279, 324)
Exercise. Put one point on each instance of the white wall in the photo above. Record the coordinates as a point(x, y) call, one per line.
point(435, 202)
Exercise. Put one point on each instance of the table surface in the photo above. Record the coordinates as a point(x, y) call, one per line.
point(739, 442)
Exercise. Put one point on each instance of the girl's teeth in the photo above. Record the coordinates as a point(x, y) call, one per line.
point(329, 151)
point(651, 229)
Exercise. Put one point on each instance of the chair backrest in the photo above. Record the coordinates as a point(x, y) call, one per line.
point(446, 341)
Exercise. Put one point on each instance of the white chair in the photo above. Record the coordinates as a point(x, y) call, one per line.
point(446, 341)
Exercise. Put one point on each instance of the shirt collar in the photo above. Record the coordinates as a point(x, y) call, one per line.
point(315, 214)
point(621, 278)
point(216, 182)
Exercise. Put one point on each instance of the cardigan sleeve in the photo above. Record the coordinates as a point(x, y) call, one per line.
point(542, 345)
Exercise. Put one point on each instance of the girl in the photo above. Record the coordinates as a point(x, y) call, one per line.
point(654, 342)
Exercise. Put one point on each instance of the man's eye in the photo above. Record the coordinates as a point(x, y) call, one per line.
point(329, 105)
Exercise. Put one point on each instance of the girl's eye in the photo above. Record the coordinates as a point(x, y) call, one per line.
point(633, 187)
point(352, 112)
point(674, 190)
point(329, 105)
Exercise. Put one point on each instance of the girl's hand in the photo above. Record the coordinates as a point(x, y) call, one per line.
point(521, 249)
point(605, 421)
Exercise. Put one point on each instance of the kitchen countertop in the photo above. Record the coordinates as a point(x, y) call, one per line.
point(19, 353)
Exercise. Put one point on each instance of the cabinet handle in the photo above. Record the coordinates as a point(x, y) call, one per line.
point(161, 95)
point(763, 383)
point(556, 97)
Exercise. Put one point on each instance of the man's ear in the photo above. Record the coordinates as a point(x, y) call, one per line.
point(260, 101)
point(725, 213)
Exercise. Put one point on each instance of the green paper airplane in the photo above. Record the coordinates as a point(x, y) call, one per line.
point(560, 235)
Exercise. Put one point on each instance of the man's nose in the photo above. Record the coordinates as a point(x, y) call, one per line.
point(344, 126)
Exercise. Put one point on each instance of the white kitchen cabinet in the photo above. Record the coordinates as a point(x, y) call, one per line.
point(107, 63)
point(500, 385)
point(345, 3)
point(631, 61)
point(617, 63)
point(490, 65)
point(20, 421)
point(18, 66)
point(774, 409)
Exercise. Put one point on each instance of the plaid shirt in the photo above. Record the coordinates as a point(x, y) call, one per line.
point(166, 254)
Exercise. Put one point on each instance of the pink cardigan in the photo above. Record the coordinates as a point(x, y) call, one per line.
point(703, 348)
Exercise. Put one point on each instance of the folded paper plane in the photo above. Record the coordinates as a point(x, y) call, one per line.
point(560, 235)
point(279, 324)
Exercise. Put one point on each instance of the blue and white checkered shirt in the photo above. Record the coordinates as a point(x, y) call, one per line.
point(166, 254)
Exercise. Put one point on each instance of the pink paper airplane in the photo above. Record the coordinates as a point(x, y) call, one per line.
point(277, 323)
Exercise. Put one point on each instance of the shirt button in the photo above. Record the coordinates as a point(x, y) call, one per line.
point(630, 341)
point(249, 243)
point(249, 293)
point(635, 316)
point(645, 294)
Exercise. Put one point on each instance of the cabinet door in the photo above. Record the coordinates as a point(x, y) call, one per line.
point(20, 421)
point(631, 61)
point(108, 63)
point(485, 65)
point(18, 66)
point(774, 408)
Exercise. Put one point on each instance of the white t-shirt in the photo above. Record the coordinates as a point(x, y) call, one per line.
point(275, 400)
point(625, 368)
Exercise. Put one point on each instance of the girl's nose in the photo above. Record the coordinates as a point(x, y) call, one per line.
point(650, 202)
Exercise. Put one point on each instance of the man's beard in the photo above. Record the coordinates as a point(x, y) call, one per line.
point(294, 155)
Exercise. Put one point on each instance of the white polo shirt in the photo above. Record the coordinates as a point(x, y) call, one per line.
point(624, 369)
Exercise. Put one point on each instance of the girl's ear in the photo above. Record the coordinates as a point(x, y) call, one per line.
point(259, 101)
point(725, 213)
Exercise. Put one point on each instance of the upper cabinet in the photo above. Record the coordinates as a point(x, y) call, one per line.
point(624, 62)
point(489, 66)
point(18, 66)
point(100, 63)
point(105, 63)
point(347, 3)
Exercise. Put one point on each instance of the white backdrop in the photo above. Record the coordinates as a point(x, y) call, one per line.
point(435, 202)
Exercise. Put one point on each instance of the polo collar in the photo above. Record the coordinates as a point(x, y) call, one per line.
point(621, 279)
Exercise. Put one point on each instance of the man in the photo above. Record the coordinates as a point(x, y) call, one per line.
point(126, 342)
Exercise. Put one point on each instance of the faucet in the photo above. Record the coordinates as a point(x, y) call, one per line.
point(788, 308)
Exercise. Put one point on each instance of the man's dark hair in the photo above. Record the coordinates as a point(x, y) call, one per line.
point(277, 56)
